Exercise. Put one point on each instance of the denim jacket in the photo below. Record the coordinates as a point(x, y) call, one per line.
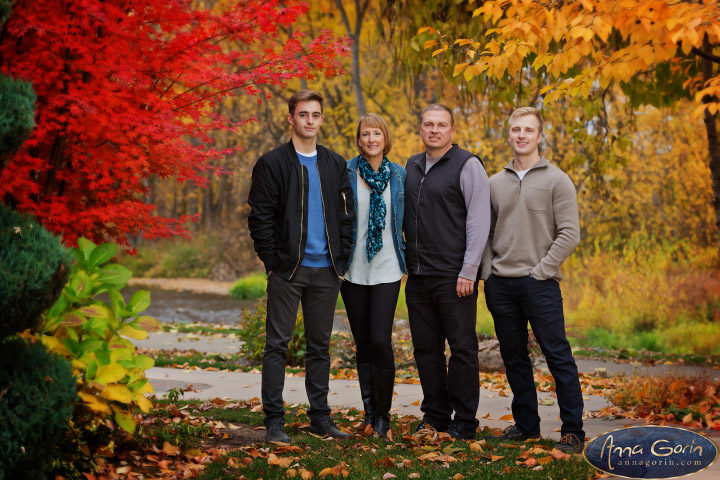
point(397, 209)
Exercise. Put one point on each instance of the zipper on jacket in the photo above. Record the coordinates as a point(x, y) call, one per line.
point(302, 211)
point(417, 212)
point(344, 199)
point(327, 234)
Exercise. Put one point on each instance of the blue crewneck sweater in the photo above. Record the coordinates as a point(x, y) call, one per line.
point(316, 248)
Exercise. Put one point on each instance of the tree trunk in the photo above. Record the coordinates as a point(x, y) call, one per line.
point(362, 110)
point(360, 9)
point(712, 137)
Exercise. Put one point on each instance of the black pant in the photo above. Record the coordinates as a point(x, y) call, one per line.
point(513, 302)
point(437, 314)
point(317, 288)
point(371, 312)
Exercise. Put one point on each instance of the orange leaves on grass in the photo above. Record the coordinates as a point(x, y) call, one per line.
point(659, 399)
point(340, 470)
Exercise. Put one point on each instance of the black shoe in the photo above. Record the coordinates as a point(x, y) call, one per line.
point(570, 444)
point(513, 433)
point(383, 384)
point(461, 432)
point(325, 426)
point(365, 379)
point(275, 432)
point(425, 424)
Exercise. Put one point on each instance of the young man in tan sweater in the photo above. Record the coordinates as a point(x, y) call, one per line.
point(534, 229)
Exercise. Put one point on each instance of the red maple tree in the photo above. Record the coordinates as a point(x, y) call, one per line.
point(126, 89)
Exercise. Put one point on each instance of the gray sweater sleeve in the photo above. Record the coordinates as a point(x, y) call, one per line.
point(476, 190)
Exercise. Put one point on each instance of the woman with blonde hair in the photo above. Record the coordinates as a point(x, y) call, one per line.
point(377, 263)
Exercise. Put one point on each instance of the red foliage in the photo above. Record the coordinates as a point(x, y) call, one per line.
point(126, 90)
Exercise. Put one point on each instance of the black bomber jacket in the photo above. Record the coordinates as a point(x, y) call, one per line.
point(278, 202)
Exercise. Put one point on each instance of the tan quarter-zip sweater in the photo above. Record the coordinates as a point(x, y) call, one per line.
point(534, 225)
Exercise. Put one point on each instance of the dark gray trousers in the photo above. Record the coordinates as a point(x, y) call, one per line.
point(436, 314)
point(317, 289)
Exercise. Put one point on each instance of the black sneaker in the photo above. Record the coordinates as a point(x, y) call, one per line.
point(461, 432)
point(570, 444)
point(275, 432)
point(325, 426)
point(425, 424)
point(513, 433)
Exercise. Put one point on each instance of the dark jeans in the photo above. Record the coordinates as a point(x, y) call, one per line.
point(371, 311)
point(437, 314)
point(317, 289)
point(513, 302)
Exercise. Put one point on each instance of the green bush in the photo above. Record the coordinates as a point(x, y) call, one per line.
point(250, 287)
point(253, 287)
point(17, 114)
point(37, 394)
point(179, 259)
point(252, 324)
point(140, 263)
point(34, 267)
point(5, 10)
point(93, 334)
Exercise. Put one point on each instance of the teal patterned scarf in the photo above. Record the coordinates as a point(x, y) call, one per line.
point(377, 181)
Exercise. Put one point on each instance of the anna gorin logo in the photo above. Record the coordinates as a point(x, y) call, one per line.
point(651, 452)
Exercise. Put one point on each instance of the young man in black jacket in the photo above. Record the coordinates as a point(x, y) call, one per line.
point(301, 216)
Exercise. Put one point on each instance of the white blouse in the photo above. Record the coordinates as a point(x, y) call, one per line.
point(384, 267)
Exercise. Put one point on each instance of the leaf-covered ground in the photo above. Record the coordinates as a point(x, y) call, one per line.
point(224, 440)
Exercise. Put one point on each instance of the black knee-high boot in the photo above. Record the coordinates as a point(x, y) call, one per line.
point(383, 383)
point(365, 379)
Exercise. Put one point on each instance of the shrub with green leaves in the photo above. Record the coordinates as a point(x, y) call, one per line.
point(34, 266)
point(252, 324)
point(17, 114)
point(250, 287)
point(5, 10)
point(90, 332)
point(37, 394)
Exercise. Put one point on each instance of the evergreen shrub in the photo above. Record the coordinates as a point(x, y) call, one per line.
point(34, 267)
point(17, 114)
point(37, 396)
point(5, 10)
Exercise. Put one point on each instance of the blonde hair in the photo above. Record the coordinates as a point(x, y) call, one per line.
point(372, 120)
point(522, 111)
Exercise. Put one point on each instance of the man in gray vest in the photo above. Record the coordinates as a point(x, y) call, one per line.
point(447, 220)
point(535, 227)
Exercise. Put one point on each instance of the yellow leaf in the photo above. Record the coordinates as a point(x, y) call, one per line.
point(430, 43)
point(495, 458)
point(131, 332)
point(73, 319)
point(170, 449)
point(468, 74)
point(439, 51)
point(110, 373)
point(99, 311)
point(283, 462)
point(54, 345)
point(142, 402)
point(148, 323)
point(426, 29)
point(459, 68)
point(118, 393)
point(95, 404)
